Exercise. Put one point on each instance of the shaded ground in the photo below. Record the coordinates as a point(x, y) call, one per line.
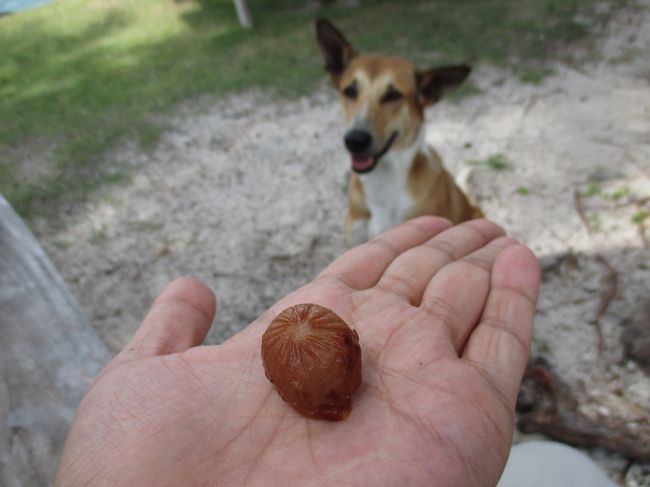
point(248, 195)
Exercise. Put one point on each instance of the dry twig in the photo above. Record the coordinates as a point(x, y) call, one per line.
point(606, 298)
point(577, 203)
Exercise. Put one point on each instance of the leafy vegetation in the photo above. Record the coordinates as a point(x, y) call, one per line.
point(592, 190)
point(496, 162)
point(640, 216)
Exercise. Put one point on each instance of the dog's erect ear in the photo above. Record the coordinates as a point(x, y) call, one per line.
point(336, 50)
point(434, 83)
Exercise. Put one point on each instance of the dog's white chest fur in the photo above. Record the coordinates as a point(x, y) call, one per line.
point(385, 189)
point(386, 197)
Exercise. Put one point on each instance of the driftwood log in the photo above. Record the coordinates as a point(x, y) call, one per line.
point(546, 405)
point(48, 355)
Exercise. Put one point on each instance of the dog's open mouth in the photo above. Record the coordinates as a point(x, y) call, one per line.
point(366, 163)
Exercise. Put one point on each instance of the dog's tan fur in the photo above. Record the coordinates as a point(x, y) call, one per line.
point(409, 179)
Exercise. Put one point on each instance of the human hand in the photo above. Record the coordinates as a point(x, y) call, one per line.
point(444, 317)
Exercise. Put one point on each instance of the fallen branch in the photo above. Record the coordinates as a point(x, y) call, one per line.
point(606, 298)
point(577, 203)
point(546, 405)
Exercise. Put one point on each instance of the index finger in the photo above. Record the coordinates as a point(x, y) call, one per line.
point(500, 345)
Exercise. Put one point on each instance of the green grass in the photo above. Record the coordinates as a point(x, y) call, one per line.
point(596, 223)
point(620, 193)
point(640, 217)
point(496, 162)
point(542, 345)
point(592, 190)
point(86, 74)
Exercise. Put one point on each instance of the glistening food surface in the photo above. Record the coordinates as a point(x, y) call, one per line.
point(313, 358)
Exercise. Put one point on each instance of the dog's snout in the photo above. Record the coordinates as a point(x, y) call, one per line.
point(358, 141)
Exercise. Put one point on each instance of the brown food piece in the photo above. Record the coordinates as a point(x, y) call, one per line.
point(314, 360)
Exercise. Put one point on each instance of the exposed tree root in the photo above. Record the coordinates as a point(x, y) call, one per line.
point(546, 405)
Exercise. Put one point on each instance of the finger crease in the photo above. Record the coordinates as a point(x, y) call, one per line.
point(420, 229)
point(175, 302)
point(442, 311)
point(509, 289)
point(478, 263)
point(500, 325)
point(443, 247)
point(501, 396)
point(477, 229)
point(382, 242)
point(398, 286)
point(336, 278)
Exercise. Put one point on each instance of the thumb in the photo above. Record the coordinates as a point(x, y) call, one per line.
point(178, 319)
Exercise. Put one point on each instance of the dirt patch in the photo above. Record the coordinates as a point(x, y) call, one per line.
point(34, 155)
point(248, 195)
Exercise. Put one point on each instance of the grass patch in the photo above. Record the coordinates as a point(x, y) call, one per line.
point(620, 193)
point(640, 217)
point(592, 190)
point(85, 74)
point(496, 162)
point(533, 75)
point(596, 223)
point(542, 345)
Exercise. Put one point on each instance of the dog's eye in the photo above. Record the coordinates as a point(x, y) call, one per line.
point(391, 95)
point(351, 92)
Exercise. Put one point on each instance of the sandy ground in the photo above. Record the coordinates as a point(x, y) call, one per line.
point(247, 194)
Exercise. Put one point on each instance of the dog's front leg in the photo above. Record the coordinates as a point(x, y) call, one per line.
point(357, 218)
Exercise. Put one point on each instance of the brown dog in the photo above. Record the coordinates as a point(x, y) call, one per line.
point(395, 174)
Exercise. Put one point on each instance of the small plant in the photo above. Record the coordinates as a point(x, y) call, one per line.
point(542, 346)
point(620, 193)
point(592, 190)
point(535, 76)
point(595, 223)
point(496, 162)
point(522, 191)
point(640, 216)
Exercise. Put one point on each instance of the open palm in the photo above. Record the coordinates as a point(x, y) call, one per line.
point(444, 317)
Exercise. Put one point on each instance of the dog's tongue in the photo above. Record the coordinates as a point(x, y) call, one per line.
point(361, 164)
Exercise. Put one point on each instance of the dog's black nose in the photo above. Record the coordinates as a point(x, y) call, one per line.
point(358, 141)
